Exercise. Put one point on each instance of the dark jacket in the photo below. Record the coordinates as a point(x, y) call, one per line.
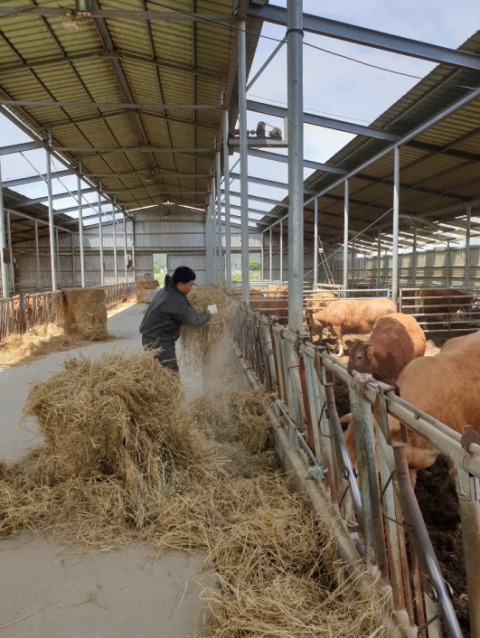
point(166, 313)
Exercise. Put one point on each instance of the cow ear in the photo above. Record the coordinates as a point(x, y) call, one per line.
point(368, 349)
point(349, 342)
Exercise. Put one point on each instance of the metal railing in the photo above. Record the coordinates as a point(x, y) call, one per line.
point(20, 313)
point(378, 504)
point(442, 309)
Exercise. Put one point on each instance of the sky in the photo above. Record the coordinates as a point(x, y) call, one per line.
point(333, 86)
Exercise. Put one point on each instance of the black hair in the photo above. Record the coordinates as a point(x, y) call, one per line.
point(183, 274)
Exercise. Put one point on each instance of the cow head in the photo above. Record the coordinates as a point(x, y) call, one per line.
point(361, 355)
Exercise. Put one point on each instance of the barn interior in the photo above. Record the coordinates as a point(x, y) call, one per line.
point(138, 113)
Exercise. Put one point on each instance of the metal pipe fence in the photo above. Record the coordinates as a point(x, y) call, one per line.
point(18, 314)
point(376, 500)
point(449, 310)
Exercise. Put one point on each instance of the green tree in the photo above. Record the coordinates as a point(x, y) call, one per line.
point(255, 266)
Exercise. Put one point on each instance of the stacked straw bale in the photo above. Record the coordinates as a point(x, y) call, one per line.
point(83, 311)
point(144, 284)
point(198, 343)
point(125, 460)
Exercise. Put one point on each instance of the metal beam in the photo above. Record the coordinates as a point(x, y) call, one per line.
point(122, 14)
point(370, 38)
point(325, 122)
point(129, 149)
point(18, 148)
point(134, 106)
point(33, 179)
point(41, 200)
point(256, 198)
point(276, 157)
point(266, 182)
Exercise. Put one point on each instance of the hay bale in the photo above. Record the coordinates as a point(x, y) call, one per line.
point(199, 342)
point(142, 285)
point(83, 311)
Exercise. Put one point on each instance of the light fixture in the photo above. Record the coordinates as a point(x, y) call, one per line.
point(70, 22)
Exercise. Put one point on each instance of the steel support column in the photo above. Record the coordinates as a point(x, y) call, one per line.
point(57, 252)
point(213, 234)
point(74, 269)
point(242, 117)
point(3, 246)
point(281, 251)
point(125, 251)
point(100, 235)
point(447, 263)
point(345, 237)
point(262, 250)
point(466, 275)
point(134, 263)
point(50, 218)
point(80, 225)
point(396, 220)
point(226, 173)
point(379, 256)
point(221, 272)
point(413, 279)
point(214, 230)
point(295, 162)
point(11, 267)
point(206, 242)
point(270, 255)
point(37, 258)
point(114, 230)
point(315, 244)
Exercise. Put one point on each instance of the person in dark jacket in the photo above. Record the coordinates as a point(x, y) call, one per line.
point(170, 309)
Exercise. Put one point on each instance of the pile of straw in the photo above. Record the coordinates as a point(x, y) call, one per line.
point(124, 459)
point(117, 444)
point(198, 343)
point(83, 311)
point(143, 284)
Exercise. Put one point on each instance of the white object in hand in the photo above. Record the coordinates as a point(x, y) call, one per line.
point(213, 309)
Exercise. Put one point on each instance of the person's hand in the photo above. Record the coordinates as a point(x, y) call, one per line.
point(212, 309)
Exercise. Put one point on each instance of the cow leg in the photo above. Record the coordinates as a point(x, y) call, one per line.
point(339, 337)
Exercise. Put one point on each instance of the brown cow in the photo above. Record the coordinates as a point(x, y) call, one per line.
point(277, 291)
point(445, 301)
point(350, 316)
point(396, 340)
point(419, 455)
point(319, 300)
point(270, 307)
point(442, 387)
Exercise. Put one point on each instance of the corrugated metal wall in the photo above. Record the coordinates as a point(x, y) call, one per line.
point(196, 262)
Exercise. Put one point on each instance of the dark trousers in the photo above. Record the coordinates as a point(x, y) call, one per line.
point(165, 352)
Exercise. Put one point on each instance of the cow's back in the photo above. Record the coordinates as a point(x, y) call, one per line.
point(396, 339)
point(356, 314)
point(442, 385)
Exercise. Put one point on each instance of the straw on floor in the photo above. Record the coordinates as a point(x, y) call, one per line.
point(125, 459)
point(198, 343)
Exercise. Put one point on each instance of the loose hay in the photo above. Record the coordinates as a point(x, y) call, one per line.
point(83, 311)
point(40, 340)
point(124, 460)
point(143, 284)
point(199, 342)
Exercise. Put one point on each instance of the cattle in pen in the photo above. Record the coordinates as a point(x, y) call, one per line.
point(349, 316)
point(441, 386)
point(437, 301)
point(318, 300)
point(396, 340)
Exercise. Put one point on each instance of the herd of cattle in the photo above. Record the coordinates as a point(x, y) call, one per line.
point(440, 385)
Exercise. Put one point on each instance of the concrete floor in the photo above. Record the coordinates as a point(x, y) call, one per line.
point(49, 591)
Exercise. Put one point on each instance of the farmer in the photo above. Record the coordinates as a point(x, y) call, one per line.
point(169, 309)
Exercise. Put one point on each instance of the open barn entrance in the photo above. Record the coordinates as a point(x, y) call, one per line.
point(160, 267)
